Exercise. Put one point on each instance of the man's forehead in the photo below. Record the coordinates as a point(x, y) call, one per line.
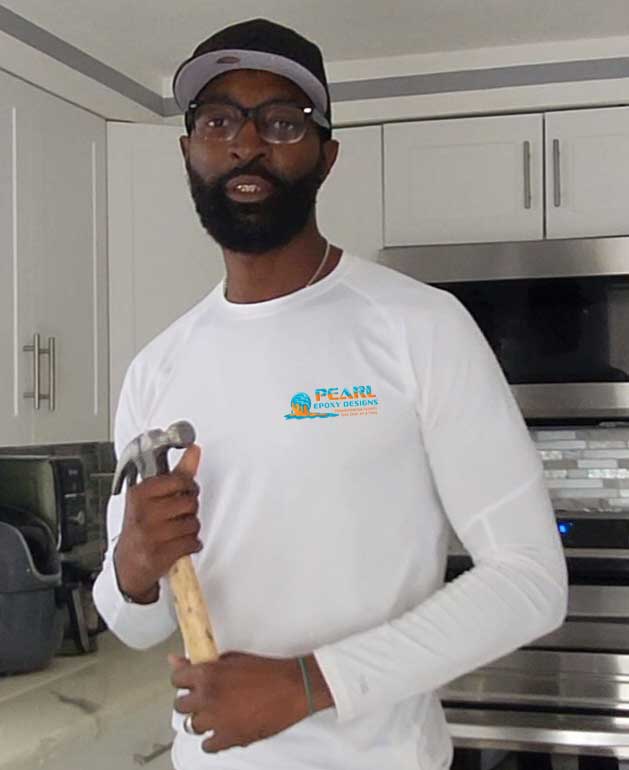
point(259, 83)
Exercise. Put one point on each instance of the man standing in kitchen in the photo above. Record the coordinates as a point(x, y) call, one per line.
point(347, 416)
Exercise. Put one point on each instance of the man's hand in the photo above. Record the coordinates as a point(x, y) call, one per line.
point(244, 698)
point(160, 526)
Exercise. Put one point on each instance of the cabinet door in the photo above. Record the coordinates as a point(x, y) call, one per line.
point(461, 181)
point(349, 204)
point(67, 220)
point(161, 260)
point(16, 273)
point(587, 160)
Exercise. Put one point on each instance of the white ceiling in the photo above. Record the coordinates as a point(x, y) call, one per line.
point(146, 39)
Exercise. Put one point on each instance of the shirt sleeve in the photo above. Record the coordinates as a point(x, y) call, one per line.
point(137, 625)
point(490, 479)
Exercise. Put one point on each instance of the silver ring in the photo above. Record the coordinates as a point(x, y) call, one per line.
point(187, 725)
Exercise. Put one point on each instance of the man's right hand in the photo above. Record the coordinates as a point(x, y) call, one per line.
point(160, 526)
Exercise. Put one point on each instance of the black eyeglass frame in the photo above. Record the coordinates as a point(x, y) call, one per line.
point(249, 113)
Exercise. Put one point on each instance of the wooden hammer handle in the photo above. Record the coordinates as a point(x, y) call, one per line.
point(192, 613)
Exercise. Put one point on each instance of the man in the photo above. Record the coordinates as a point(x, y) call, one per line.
point(347, 416)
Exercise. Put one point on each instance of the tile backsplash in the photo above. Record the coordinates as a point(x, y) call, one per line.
point(585, 468)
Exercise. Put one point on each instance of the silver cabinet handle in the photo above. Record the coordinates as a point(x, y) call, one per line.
point(52, 373)
point(527, 175)
point(35, 349)
point(556, 173)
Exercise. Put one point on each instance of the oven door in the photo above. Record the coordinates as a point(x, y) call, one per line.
point(555, 314)
point(567, 692)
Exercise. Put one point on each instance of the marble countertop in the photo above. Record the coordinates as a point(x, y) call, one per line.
point(47, 715)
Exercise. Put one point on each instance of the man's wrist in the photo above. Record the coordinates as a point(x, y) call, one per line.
point(319, 690)
point(131, 597)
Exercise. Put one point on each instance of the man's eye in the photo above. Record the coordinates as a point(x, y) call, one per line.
point(215, 120)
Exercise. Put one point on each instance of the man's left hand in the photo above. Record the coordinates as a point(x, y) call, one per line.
point(243, 698)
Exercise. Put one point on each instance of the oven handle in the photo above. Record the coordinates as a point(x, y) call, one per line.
point(556, 173)
point(527, 175)
point(544, 732)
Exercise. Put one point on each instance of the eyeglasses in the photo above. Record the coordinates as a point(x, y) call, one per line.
point(275, 122)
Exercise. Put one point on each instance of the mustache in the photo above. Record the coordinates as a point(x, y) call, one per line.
point(253, 169)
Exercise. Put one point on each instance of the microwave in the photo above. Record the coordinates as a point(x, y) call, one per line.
point(555, 313)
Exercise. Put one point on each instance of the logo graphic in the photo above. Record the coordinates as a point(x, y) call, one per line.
point(358, 401)
point(300, 405)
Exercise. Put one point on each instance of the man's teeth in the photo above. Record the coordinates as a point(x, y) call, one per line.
point(247, 188)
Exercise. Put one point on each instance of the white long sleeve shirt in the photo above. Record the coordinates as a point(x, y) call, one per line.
point(344, 428)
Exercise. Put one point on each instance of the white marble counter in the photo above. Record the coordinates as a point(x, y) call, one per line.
point(107, 709)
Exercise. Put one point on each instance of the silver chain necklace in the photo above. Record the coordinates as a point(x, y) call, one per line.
point(314, 277)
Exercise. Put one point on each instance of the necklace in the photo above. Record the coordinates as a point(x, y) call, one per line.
point(314, 277)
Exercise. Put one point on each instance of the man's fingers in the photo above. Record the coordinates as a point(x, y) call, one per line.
point(167, 485)
point(177, 661)
point(183, 676)
point(185, 704)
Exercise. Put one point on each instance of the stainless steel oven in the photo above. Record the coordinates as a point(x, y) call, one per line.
point(568, 692)
point(556, 314)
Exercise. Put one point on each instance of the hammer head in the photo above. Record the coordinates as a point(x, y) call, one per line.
point(147, 454)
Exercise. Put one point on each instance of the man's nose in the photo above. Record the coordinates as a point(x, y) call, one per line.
point(248, 143)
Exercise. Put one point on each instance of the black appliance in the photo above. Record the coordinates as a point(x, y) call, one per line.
point(53, 489)
point(555, 313)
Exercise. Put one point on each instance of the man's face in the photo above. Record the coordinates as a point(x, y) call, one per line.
point(279, 181)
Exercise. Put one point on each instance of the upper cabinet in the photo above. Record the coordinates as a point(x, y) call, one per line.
point(587, 163)
point(53, 296)
point(349, 204)
point(467, 180)
point(161, 260)
point(483, 179)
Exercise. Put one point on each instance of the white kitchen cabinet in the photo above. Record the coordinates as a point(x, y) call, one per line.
point(16, 414)
point(161, 260)
point(467, 180)
point(587, 165)
point(349, 204)
point(53, 212)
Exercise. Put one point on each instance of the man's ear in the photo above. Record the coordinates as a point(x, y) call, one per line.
point(184, 143)
point(330, 151)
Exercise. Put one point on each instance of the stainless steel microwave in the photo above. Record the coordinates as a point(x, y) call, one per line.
point(556, 314)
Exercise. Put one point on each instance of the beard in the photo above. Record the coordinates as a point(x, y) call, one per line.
point(261, 226)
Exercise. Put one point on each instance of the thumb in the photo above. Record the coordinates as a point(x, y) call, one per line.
point(189, 462)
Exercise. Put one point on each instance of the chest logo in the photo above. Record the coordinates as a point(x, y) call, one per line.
point(358, 401)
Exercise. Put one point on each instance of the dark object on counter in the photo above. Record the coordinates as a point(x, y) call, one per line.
point(31, 625)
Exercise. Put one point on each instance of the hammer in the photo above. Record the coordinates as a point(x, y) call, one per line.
point(147, 454)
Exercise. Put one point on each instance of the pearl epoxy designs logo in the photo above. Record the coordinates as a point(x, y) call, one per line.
point(334, 402)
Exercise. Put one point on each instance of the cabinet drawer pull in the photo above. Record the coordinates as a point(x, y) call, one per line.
point(556, 173)
point(52, 373)
point(158, 750)
point(527, 175)
point(35, 349)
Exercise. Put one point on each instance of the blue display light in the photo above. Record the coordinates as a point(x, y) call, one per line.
point(565, 527)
